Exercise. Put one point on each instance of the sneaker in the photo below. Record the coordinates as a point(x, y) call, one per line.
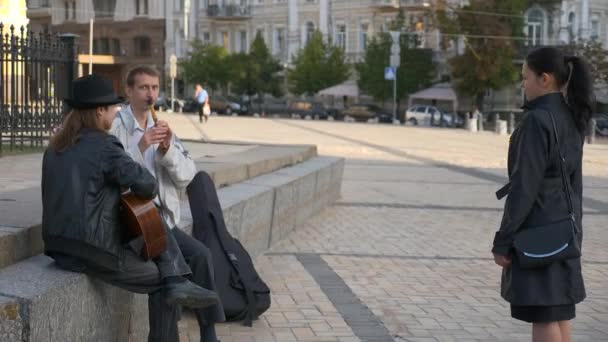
point(190, 295)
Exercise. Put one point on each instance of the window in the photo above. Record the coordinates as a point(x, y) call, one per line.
point(142, 46)
point(595, 28)
point(571, 25)
point(260, 32)
point(535, 19)
point(310, 30)
point(104, 8)
point(363, 35)
point(206, 37)
point(226, 40)
point(243, 41)
point(279, 43)
point(141, 7)
point(70, 10)
point(340, 36)
point(116, 47)
point(101, 46)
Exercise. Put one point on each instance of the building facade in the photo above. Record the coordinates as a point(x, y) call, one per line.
point(125, 33)
point(286, 25)
point(556, 23)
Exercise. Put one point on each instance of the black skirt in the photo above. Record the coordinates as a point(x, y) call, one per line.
point(543, 314)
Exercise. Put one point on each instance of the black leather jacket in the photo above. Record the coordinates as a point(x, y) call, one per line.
point(81, 189)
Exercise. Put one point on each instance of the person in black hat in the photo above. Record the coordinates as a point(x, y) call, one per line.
point(84, 170)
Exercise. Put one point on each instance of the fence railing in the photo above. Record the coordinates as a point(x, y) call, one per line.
point(36, 71)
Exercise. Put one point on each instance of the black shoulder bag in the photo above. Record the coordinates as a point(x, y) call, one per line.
point(543, 245)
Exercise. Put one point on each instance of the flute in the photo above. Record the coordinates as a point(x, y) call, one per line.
point(152, 111)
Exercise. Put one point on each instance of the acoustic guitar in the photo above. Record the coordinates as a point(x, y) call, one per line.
point(143, 219)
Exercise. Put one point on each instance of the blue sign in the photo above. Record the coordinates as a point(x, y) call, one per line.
point(389, 73)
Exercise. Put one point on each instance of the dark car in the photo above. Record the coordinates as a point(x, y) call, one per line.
point(315, 110)
point(163, 103)
point(601, 124)
point(269, 106)
point(190, 106)
point(364, 112)
point(225, 105)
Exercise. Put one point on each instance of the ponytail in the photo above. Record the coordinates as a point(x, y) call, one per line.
point(572, 75)
point(579, 91)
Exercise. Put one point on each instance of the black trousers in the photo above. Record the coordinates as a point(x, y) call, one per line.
point(184, 256)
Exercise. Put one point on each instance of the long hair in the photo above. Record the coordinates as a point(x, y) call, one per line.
point(73, 123)
point(571, 72)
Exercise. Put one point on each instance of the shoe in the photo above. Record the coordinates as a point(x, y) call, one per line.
point(189, 294)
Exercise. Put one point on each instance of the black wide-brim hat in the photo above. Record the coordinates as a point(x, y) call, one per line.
point(92, 91)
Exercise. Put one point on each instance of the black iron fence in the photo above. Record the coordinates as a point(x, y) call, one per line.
point(36, 71)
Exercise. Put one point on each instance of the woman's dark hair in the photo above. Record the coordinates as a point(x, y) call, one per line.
point(572, 72)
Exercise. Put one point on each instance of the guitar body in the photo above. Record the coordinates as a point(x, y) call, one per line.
point(142, 219)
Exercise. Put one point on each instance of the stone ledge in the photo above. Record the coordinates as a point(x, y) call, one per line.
point(21, 211)
point(39, 302)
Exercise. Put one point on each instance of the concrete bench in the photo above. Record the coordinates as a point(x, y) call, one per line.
point(39, 302)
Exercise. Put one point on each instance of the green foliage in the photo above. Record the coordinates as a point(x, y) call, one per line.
point(208, 64)
point(416, 72)
point(487, 62)
point(317, 66)
point(597, 57)
point(257, 72)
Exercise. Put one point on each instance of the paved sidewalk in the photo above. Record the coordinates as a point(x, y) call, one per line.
point(405, 254)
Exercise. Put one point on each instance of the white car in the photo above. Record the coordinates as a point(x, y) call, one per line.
point(428, 116)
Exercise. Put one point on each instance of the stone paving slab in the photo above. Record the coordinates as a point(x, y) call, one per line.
point(300, 310)
point(411, 237)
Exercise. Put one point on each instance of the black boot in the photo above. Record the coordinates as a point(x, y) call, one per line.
point(189, 294)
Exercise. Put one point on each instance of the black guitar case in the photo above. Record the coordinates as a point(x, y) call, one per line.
point(243, 294)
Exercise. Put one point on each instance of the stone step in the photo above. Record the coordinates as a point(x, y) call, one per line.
point(39, 302)
point(21, 210)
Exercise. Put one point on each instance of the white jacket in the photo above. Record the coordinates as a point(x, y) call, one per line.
point(174, 171)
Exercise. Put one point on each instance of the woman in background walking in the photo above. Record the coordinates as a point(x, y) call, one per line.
point(559, 86)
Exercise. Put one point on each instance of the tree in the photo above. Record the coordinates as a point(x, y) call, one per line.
point(417, 69)
point(371, 70)
point(317, 66)
point(597, 57)
point(488, 59)
point(256, 73)
point(209, 64)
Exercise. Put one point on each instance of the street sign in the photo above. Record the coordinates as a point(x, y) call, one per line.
point(395, 61)
point(389, 73)
point(173, 66)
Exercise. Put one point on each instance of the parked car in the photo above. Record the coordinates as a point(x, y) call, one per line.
point(364, 112)
point(225, 105)
point(431, 116)
point(269, 105)
point(163, 103)
point(315, 110)
point(601, 124)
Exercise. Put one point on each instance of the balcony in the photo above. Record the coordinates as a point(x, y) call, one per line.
point(229, 12)
point(385, 5)
point(38, 9)
point(394, 5)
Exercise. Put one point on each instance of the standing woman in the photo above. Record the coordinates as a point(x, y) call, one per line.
point(559, 98)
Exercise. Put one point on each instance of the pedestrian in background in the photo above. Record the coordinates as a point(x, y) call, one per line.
point(202, 99)
point(559, 102)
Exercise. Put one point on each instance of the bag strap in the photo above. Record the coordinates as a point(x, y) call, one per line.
point(562, 163)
